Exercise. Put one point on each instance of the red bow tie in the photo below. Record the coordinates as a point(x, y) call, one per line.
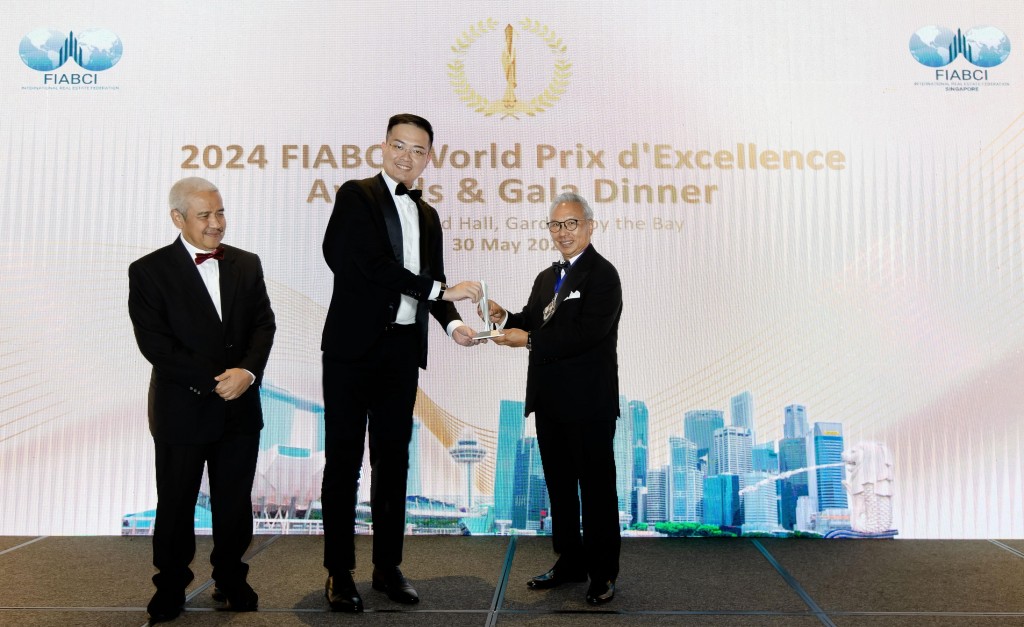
point(217, 254)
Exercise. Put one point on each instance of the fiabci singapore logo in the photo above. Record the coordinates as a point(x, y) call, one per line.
point(984, 47)
point(47, 50)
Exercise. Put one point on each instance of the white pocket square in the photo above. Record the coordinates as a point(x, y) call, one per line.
point(572, 295)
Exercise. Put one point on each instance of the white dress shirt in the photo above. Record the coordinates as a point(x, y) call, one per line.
point(409, 218)
point(209, 272)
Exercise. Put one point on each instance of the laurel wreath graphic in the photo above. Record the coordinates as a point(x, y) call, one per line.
point(539, 103)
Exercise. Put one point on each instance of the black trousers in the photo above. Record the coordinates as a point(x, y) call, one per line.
point(377, 391)
point(179, 472)
point(579, 465)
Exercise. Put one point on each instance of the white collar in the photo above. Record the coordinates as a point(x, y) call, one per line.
point(192, 250)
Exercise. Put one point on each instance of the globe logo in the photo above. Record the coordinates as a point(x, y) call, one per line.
point(938, 46)
point(988, 45)
point(932, 45)
point(95, 49)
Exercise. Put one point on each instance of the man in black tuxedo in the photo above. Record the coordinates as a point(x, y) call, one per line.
point(203, 319)
point(384, 245)
point(570, 326)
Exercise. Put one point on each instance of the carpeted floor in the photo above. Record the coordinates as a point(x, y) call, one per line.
point(480, 581)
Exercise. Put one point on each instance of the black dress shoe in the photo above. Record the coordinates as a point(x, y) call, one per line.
point(239, 597)
point(341, 593)
point(556, 577)
point(600, 592)
point(393, 583)
point(165, 606)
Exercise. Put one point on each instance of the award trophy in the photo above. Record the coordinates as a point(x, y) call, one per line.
point(485, 308)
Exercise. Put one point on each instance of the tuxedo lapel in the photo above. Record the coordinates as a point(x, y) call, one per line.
point(185, 267)
point(575, 277)
point(391, 221)
point(228, 283)
point(421, 211)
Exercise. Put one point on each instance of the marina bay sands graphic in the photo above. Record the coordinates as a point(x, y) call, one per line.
point(717, 479)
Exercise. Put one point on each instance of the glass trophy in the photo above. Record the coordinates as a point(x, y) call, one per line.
point(485, 308)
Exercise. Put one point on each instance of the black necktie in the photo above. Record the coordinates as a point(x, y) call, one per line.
point(402, 190)
point(558, 266)
point(217, 254)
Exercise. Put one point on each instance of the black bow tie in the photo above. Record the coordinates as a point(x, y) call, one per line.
point(558, 266)
point(402, 190)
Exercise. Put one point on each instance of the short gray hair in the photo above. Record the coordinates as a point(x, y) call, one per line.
point(588, 213)
point(180, 192)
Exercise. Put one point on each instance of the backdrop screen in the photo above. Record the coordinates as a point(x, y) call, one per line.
point(815, 209)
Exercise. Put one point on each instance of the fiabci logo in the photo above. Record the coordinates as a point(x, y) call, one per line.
point(938, 46)
point(46, 50)
point(984, 47)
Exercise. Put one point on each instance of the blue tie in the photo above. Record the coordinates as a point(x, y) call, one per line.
point(558, 266)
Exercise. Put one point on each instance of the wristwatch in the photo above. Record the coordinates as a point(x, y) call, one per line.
point(529, 341)
point(440, 295)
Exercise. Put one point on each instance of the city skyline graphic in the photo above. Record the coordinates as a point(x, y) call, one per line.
point(718, 479)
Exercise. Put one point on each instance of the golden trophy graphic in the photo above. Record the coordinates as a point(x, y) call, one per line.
point(510, 105)
point(508, 62)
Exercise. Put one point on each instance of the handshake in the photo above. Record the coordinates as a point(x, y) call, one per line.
point(476, 291)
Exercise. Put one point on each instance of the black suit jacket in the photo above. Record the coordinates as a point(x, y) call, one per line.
point(574, 368)
point(363, 247)
point(178, 331)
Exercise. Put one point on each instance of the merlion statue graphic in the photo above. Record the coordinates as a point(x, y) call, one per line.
point(869, 488)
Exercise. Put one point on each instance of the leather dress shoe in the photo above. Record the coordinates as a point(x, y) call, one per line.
point(237, 597)
point(556, 577)
point(341, 593)
point(165, 606)
point(600, 592)
point(393, 583)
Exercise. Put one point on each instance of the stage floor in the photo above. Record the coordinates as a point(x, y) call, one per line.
point(480, 581)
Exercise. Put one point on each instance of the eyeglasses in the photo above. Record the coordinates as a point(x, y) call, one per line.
point(570, 225)
point(416, 151)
